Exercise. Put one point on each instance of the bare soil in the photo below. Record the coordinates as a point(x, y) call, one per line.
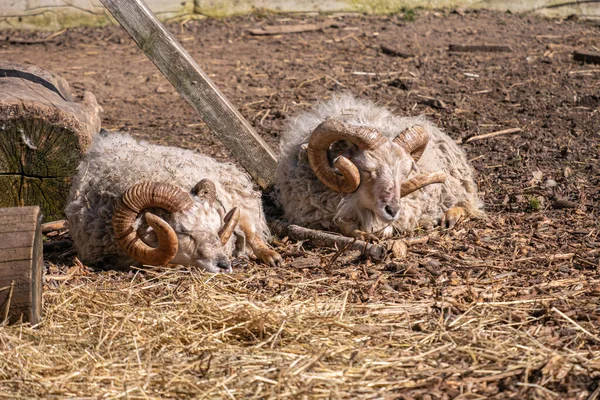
point(506, 307)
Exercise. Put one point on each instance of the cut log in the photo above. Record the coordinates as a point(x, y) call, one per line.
point(43, 134)
point(21, 264)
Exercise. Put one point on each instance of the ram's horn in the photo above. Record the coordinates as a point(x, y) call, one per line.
point(414, 140)
point(420, 181)
point(334, 130)
point(229, 223)
point(205, 189)
point(135, 200)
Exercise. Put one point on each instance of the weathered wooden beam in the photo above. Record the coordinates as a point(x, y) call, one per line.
point(196, 88)
point(44, 132)
point(21, 264)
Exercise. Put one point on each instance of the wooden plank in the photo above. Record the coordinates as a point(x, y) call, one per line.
point(196, 88)
point(591, 57)
point(21, 266)
point(463, 48)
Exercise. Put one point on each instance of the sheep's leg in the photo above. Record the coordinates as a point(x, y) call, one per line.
point(350, 229)
point(260, 249)
point(453, 215)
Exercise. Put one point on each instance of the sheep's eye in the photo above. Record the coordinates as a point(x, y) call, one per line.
point(370, 173)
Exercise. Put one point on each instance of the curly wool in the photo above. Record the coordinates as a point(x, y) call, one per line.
point(115, 162)
point(308, 202)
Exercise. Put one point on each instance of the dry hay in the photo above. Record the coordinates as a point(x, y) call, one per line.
point(443, 323)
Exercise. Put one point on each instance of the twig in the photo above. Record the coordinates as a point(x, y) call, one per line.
point(325, 239)
point(8, 300)
point(27, 41)
point(492, 134)
point(280, 29)
point(463, 48)
point(581, 328)
point(54, 226)
point(394, 51)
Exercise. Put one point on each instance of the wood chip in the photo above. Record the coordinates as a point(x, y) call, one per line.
point(399, 249)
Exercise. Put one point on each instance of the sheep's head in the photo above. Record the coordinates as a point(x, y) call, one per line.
point(372, 168)
point(194, 235)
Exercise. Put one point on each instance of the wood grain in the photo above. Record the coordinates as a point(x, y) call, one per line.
point(21, 264)
point(196, 88)
point(43, 134)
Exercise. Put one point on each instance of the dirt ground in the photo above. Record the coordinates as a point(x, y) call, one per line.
point(506, 307)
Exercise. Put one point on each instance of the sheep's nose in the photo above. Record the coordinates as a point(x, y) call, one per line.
point(223, 264)
point(392, 211)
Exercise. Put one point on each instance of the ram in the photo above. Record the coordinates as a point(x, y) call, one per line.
point(351, 166)
point(134, 203)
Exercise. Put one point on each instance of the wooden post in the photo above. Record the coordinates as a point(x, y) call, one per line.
point(43, 135)
point(21, 264)
point(196, 88)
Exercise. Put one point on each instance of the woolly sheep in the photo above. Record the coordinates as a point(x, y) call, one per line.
point(351, 166)
point(134, 203)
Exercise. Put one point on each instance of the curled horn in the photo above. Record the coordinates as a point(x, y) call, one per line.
point(328, 132)
point(132, 202)
point(229, 223)
point(420, 181)
point(414, 140)
point(205, 189)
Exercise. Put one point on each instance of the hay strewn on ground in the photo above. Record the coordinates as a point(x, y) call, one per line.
point(506, 307)
point(455, 319)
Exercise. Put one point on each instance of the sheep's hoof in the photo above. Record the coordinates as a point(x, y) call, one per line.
point(453, 216)
point(269, 257)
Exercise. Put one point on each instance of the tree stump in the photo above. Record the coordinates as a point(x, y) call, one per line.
point(21, 264)
point(43, 134)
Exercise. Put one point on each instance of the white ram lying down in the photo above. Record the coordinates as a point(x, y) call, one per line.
point(135, 203)
point(353, 167)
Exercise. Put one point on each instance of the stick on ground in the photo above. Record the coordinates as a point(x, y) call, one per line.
point(325, 239)
point(463, 48)
point(590, 57)
point(280, 29)
point(492, 134)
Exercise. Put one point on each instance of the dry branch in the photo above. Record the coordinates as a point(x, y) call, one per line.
point(492, 134)
point(463, 48)
point(54, 226)
point(325, 239)
point(590, 57)
point(392, 50)
point(280, 29)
